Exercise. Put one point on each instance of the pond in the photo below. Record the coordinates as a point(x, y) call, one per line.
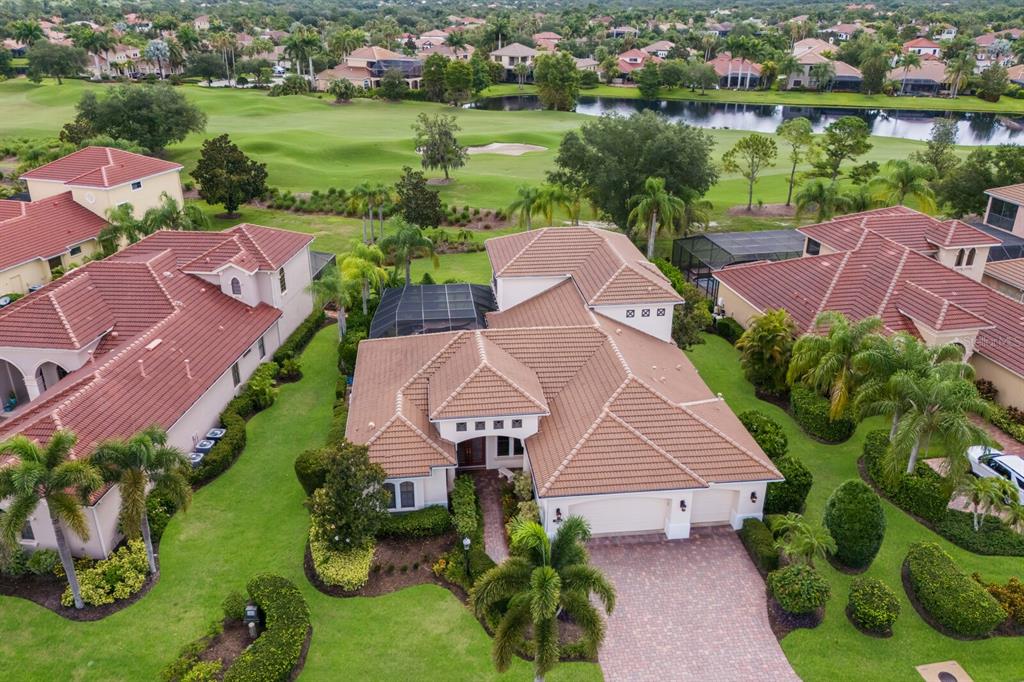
point(973, 128)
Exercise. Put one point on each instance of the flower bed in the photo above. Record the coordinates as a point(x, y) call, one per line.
point(347, 570)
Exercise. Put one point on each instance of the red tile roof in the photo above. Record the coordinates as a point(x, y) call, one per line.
point(920, 42)
point(44, 228)
point(724, 64)
point(101, 167)
point(902, 225)
point(1011, 193)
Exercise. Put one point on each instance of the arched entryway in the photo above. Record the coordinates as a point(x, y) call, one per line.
point(13, 391)
point(472, 453)
point(48, 374)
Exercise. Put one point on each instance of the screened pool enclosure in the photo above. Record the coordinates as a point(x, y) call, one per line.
point(700, 255)
point(427, 308)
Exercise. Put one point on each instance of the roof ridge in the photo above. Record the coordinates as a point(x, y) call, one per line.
point(416, 375)
point(607, 282)
point(831, 288)
point(243, 228)
point(517, 387)
point(521, 251)
point(61, 316)
point(451, 396)
point(895, 278)
point(660, 450)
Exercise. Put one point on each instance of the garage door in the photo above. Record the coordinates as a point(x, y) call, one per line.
point(712, 506)
point(623, 514)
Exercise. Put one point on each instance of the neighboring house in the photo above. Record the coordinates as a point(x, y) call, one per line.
point(843, 32)
point(611, 423)
point(461, 54)
point(927, 49)
point(846, 77)
point(512, 55)
point(659, 49)
point(928, 79)
point(201, 23)
point(164, 332)
point(586, 63)
point(635, 59)
point(991, 52)
point(1006, 277)
point(623, 32)
point(736, 73)
point(1016, 74)
point(720, 30)
point(920, 275)
point(1005, 209)
point(546, 41)
point(366, 66)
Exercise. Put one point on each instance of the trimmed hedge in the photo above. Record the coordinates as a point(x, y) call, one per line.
point(1010, 596)
point(1001, 417)
point(729, 329)
point(422, 523)
point(117, 577)
point(799, 589)
point(811, 412)
point(299, 338)
point(276, 652)
point(311, 468)
point(767, 433)
point(873, 605)
point(464, 513)
point(854, 517)
point(760, 543)
point(789, 495)
point(348, 570)
point(952, 598)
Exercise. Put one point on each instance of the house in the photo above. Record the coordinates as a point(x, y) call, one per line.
point(928, 79)
point(611, 423)
point(365, 66)
point(546, 40)
point(1016, 74)
point(813, 45)
point(512, 55)
point(586, 64)
point(843, 32)
point(1005, 209)
point(1006, 277)
point(719, 30)
point(846, 77)
point(623, 32)
point(921, 275)
point(635, 59)
point(735, 72)
point(996, 48)
point(164, 332)
point(927, 49)
point(461, 54)
point(659, 49)
point(202, 22)
point(946, 32)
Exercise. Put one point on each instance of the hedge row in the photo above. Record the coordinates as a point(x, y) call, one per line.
point(760, 543)
point(811, 412)
point(422, 523)
point(463, 499)
point(1000, 416)
point(299, 338)
point(276, 652)
point(790, 494)
point(767, 433)
point(950, 596)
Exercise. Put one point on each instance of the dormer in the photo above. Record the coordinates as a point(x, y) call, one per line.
point(939, 320)
point(961, 247)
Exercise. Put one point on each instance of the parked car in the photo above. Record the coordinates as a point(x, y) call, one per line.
point(986, 462)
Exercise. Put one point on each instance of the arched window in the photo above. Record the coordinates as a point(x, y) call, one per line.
point(390, 487)
point(408, 494)
point(236, 287)
point(959, 258)
point(970, 257)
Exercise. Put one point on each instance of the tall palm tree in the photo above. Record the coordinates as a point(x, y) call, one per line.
point(696, 214)
point(95, 43)
point(959, 69)
point(26, 31)
point(48, 474)
point(362, 266)
point(801, 541)
point(382, 196)
point(344, 41)
point(134, 465)
point(907, 61)
point(824, 196)
point(788, 65)
point(498, 27)
point(188, 37)
point(551, 197)
point(526, 205)
point(405, 244)
point(708, 43)
point(543, 578)
point(902, 179)
point(359, 200)
point(157, 51)
point(309, 39)
point(330, 288)
point(1014, 517)
point(657, 208)
point(826, 363)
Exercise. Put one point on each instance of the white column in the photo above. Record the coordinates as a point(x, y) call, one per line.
point(31, 386)
point(677, 525)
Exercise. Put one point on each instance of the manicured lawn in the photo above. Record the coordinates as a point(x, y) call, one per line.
point(250, 520)
point(1005, 105)
point(836, 650)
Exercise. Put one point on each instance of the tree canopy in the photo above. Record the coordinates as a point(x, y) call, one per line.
point(153, 116)
point(557, 80)
point(227, 176)
point(437, 144)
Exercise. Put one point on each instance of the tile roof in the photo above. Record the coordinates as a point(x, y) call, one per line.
point(933, 70)
point(605, 265)
point(374, 53)
point(935, 312)
point(561, 305)
point(1011, 193)
point(515, 50)
point(724, 64)
point(1009, 271)
point(920, 42)
point(100, 167)
point(905, 226)
point(44, 228)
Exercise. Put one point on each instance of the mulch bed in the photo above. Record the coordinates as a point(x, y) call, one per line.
point(46, 591)
point(925, 616)
point(229, 644)
point(764, 211)
point(870, 633)
point(783, 623)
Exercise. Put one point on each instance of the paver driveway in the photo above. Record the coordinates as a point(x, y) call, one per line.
point(687, 610)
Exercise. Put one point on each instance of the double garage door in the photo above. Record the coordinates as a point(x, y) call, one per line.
point(623, 515)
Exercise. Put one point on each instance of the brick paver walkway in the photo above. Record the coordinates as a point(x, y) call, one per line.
point(488, 487)
point(687, 610)
point(1005, 441)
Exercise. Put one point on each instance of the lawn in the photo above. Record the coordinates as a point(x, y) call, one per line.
point(1005, 105)
point(836, 649)
point(250, 520)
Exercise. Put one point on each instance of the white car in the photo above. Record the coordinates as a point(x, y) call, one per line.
point(986, 462)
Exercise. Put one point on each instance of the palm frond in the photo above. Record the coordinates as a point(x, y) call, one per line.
point(69, 510)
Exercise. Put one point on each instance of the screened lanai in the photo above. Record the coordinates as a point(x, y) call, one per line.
point(422, 309)
point(700, 255)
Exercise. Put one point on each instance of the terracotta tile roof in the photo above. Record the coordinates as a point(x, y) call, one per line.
point(561, 305)
point(605, 265)
point(813, 44)
point(933, 70)
point(956, 233)
point(374, 53)
point(902, 225)
point(515, 50)
point(100, 167)
point(724, 64)
point(1009, 271)
point(659, 46)
point(44, 228)
point(1011, 193)
point(920, 42)
point(935, 312)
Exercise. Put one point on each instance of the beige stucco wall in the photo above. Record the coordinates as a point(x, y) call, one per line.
point(20, 277)
point(948, 258)
point(99, 201)
point(735, 306)
point(1010, 386)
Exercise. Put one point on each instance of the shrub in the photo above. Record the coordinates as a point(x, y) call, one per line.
point(13, 561)
point(1010, 596)
point(291, 370)
point(302, 335)
point(348, 570)
point(311, 468)
point(522, 485)
point(348, 350)
point(789, 495)
point(994, 538)
point(43, 561)
point(986, 389)
point(353, 502)
point(948, 595)
point(873, 605)
point(1000, 416)
point(233, 605)
point(854, 517)
point(767, 432)
point(204, 671)
point(799, 589)
point(422, 523)
point(464, 511)
point(117, 577)
point(729, 329)
point(811, 412)
point(275, 653)
point(160, 510)
point(760, 542)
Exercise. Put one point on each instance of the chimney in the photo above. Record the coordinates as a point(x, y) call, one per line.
point(142, 369)
point(188, 368)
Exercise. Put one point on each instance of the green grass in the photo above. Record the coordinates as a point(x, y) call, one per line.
point(835, 649)
point(250, 520)
point(1005, 105)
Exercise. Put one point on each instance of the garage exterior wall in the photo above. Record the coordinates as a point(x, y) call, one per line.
point(1010, 385)
point(736, 306)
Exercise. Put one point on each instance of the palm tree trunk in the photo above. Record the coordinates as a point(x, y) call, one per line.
point(408, 270)
point(895, 422)
point(652, 232)
point(312, 77)
point(912, 464)
point(96, 61)
point(341, 321)
point(364, 229)
point(366, 294)
point(380, 216)
point(147, 538)
point(66, 561)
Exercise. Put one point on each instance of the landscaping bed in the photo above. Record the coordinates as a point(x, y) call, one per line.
point(783, 623)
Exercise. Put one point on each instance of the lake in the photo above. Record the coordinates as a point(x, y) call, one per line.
point(973, 128)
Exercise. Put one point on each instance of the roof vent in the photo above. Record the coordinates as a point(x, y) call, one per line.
point(618, 330)
point(188, 368)
point(372, 425)
point(142, 368)
point(153, 344)
point(679, 367)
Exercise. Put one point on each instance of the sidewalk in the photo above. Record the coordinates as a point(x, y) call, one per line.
point(488, 487)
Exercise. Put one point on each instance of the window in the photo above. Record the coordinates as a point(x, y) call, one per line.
point(392, 499)
point(959, 258)
point(630, 313)
point(1002, 214)
point(646, 312)
point(503, 446)
point(479, 426)
point(75, 250)
point(262, 347)
point(236, 287)
point(26, 532)
point(499, 423)
point(282, 281)
point(460, 426)
point(661, 312)
point(813, 247)
point(236, 376)
point(517, 447)
point(408, 492)
point(137, 185)
point(55, 263)
point(970, 257)
point(517, 423)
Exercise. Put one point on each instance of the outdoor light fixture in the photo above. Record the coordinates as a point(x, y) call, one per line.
point(682, 505)
point(753, 498)
point(465, 549)
point(558, 515)
point(466, 543)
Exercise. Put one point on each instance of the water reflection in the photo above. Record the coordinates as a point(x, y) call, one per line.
point(972, 128)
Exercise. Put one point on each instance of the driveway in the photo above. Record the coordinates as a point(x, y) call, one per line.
point(687, 610)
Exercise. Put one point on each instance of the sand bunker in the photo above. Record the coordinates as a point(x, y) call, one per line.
point(506, 148)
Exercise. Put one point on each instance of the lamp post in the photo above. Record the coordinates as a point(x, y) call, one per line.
point(465, 550)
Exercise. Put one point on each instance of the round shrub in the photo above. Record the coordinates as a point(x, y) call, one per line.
point(854, 517)
point(234, 605)
point(767, 433)
point(952, 598)
point(873, 605)
point(43, 561)
point(729, 329)
point(799, 589)
point(789, 495)
point(311, 468)
point(811, 412)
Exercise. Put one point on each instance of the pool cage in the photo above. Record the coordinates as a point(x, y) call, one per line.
point(1012, 246)
point(700, 255)
point(428, 308)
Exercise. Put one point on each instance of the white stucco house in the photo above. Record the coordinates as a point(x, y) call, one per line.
point(164, 332)
point(575, 380)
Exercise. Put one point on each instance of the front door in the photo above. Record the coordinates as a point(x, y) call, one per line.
point(473, 452)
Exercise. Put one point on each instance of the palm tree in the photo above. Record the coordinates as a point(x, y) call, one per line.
point(697, 213)
point(824, 196)
point(137, 463)
point(122, 227)
point(765, 349)
point(986, 495)
point(543, 578)
point(525, 205)
point(904, 179)
point(550, 197)
point(359, 200)
point(498, 27)
point(168, 215)
point(26, 31)
point(657, 208)
point(344, 41)
point(382, 195)
point(907, 61)
point(363, 266)
point(408, 243)
point(522, 70)
point(788, 65)
point(48, 474)
point(823, 74)
point(157, 51)
point(309, 40)
point(188, 37)
point(95, 42)
point(800, 541)
point(330, 288)
point(959, 69)
point(1014, 516)
point(826, 363)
